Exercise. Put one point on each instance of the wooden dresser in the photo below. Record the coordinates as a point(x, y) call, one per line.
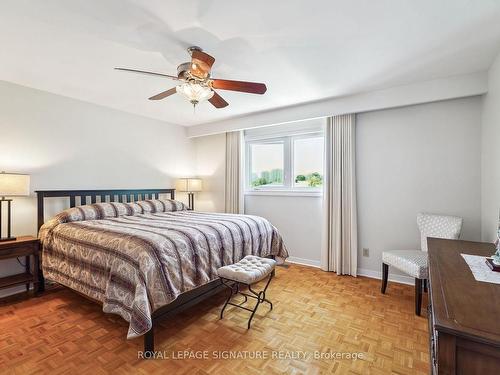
point(464, 314)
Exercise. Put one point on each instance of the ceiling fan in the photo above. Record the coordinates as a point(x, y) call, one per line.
point(196, 83)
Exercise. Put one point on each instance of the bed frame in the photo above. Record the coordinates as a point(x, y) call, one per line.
point(182, 302)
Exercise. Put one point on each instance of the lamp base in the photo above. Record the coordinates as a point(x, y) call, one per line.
point(9, 220)
point(3, 239)
point(191, 201)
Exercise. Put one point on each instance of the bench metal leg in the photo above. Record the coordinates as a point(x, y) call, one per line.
point(243, 294)
point(232, 292)
point(259, 296)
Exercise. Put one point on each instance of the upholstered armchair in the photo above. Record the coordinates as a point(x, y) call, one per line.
point(414, 262)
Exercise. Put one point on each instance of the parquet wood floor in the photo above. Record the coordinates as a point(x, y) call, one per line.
point(63, 333)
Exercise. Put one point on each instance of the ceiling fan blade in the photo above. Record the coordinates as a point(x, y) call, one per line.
point(250, 87)
point(201, 63)
point(204, 57)
point(217, 101)
point(148, 73)
point(164, 94)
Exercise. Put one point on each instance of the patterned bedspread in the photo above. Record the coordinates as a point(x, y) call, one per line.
point(138, 257)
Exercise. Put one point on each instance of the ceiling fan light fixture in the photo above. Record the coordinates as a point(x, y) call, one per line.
point(195, 92)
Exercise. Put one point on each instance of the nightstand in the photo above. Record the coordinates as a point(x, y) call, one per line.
point(27, 247)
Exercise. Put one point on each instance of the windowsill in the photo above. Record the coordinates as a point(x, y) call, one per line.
point(285, 193)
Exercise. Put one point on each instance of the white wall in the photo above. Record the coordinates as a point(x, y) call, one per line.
point(491, 154)
point(298, 219)
point(211, 167)
point(68, 144)
point(412, 159)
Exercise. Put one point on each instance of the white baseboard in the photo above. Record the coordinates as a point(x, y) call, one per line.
point(361, 271)
point(304, 262)
point(392, 277)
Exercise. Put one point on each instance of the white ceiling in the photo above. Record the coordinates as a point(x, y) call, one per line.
point(302, 50)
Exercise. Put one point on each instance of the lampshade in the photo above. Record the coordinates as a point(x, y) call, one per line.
point(190, 185)
point(12, 184)
point(195, 92)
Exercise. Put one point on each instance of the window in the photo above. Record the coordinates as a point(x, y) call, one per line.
point(267, 163)
point(308, 161)
point(290, 162)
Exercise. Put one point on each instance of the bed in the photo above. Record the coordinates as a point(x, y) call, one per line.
point(142, 254)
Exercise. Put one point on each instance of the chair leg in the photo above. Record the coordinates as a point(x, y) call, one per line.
point(385, 275)
point(425, 285)
point(418, 296)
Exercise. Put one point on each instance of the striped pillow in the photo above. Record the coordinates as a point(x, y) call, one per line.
point(98, 211)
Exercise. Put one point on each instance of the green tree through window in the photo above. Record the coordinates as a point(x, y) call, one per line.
point(300, 178)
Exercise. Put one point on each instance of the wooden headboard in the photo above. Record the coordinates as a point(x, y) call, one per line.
point(120, 195)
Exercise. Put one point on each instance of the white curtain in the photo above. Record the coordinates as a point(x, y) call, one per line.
point(340, 244)
point(233, 188)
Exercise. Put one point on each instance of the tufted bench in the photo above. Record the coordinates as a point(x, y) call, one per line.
point(250, 270)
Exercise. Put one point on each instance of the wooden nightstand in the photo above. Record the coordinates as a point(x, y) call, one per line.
point(26, 247)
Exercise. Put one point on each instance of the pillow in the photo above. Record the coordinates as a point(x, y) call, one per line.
point(99, 211)
point(157, 205)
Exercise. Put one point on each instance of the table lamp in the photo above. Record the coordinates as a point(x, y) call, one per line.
point(11, 185)
point(189, 185)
